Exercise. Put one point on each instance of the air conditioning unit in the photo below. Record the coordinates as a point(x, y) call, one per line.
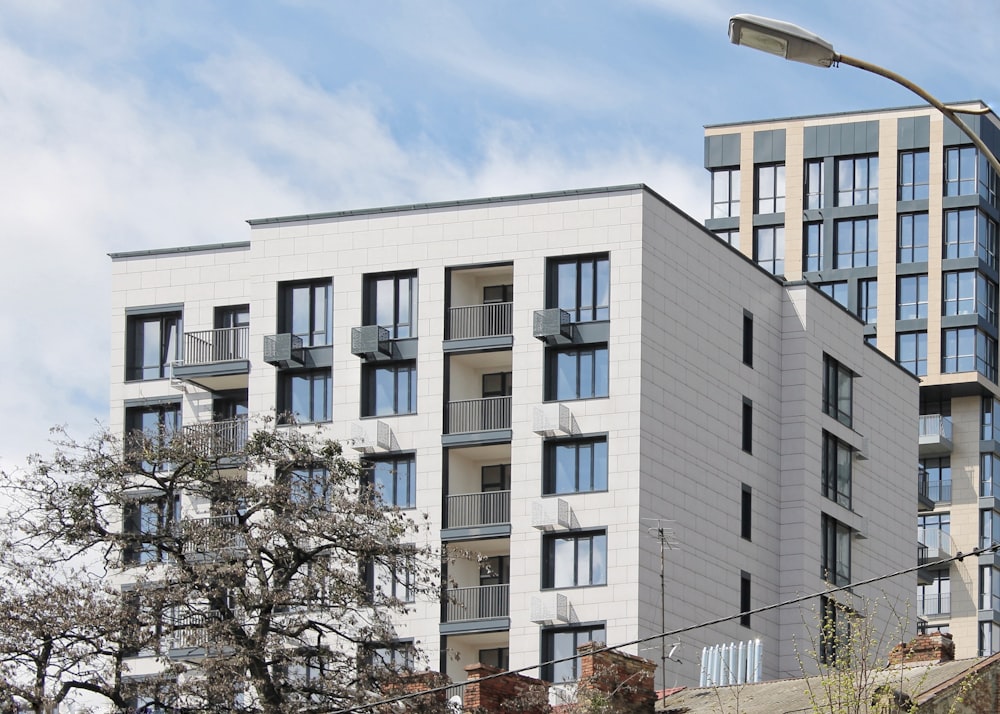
point(553, 419)
point(370, 340)
point(362, 442)
point(551, 514)
point(552, 325)
point(283, 350)
point(550, 608)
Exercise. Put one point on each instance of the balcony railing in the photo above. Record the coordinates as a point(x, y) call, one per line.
point(934, 544)
point(931, 605)
point(937, 490)
point(478, 509)
point(190, 631)
point(219, 438)
point(212, 535)
point(471, 321)
point(483, 602)
point(222, 345)
point(935, 434)
point(468, 416)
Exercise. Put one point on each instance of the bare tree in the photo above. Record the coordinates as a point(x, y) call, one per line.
point(263, 581)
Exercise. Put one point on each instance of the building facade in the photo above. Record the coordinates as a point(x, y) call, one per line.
point(894, 214)
point(551, 379)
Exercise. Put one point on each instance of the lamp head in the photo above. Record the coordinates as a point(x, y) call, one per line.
point(781, 38)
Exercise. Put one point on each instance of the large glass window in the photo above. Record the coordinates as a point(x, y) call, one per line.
point(394, 480)
point(391, 578)
point(394, 656)
point(145, 523)
point(934, 598)
point(911, 297)
point(933, 531)
point(769, 248)
point(306, 310)
point(990, 419)
point(838, 390)
point(911, 352)
point(868, 300)
point(913, 237)
point(725, 193)
point(989, 475)
point(989, 527)
point(577, 373)
point(561, 644)
point(152, 344)
point(575, 559)
point(969, 232)
point(960, 171)
point(836, 561)
point(390, 301)
point(856, 243)
point(305, 396)
point(582, 287)
point(989, 588)
point(390, 388)
point(989, 638)
point(576, 466)
point(960, 293)
point(812, 247)
point(309, 485)
point(770, 189)
point(857, 180)
point(936, 476)
point(986, 299)
point(837, 463)
point(914, 175)
point(838, 291)
point(965, 349)
point(815, 183)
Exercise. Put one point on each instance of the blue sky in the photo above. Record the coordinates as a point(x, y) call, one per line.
point(131, 125)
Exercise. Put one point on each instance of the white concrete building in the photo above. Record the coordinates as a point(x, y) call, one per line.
point(548, 377)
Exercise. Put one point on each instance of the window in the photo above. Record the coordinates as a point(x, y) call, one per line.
point(914, 175)
point(911, 297)
point(933, 530)
point(747, 425)
point(393, 656)
point(986, 299)
point(770, 189)
point(989, 638)
point(815, 183)
point(989, 528)
point(152, 344)
point(838, 291)
point(232, 316)
point(498, 657)
point(812, 247)
point(306, 311)
point(581, 287)
point(562, 643)
point(913, 238)
point(769, 248)
point(145, 524)
point(966, 349)
point(960, 171)
point(911, 352)
point(729, 237)
point(969, 233)
point(576, 466)
point(836, 561)
point(744, 598)
point(934, 598)
point(495, 477)
point(391, 302)
point(857, 180)
point(389, 389)
point(838, 390)
point(497, 384)
point(308, 486)
point(305, 397)
point(987, 230)
point(575, 559)
point(856, 243)
point(837, 465)
point(748, 338)
point(835, 630)
point(960, 293)
point(577, 373)
point(936, 475)
point(746, 512)
point(989, 588)
point(990, 419)
point(148, 428)
point(394, 480)
point(725, 193)
point(391, 578)
point(868, 300)
point(989, 475)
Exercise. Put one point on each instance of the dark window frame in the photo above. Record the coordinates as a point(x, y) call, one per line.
point(405, 287)
point(402, 471)
point(599, 379)
point(590, 574)
point(404, 396)
point(726, 192)
point(317, 412)
point(590, 446)
point(588, 277)
point(835, 563)
point(769, 188)
point(567, 671)
point(857, 180)
point(140, 366)
point(838, 390)
point(838, 470)
point(746, 426)
point(317, 312)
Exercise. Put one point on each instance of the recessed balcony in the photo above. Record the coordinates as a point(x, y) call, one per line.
point(478, 608)
point(935, 435)
point(470, 416)
point(933, 545)
point(477, 515)
point(225, 439)
point(216, 360)
point(931, 605)
point(212, 537)
point(478, 327)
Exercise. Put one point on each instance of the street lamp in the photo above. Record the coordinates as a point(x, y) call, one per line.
point(799, 45)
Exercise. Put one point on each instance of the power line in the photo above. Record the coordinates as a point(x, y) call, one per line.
point(766, 608)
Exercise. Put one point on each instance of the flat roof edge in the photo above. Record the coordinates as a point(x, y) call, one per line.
point(180, 249)
point(446, 204)
point(857, 112)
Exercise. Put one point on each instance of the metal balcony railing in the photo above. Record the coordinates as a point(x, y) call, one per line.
point(482, 602)
point(219, 438)
point(478, 509)
point(212, 534)
point(222, 345)
point(468, 416)
point(471, 321)
point(933, 544)
point(189, 631)
point(935, 434)
point(932, 605)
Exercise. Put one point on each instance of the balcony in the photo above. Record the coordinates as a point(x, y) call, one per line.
point(486, 326)
point(935, 435)
point(933, 545)
point(477, 515)
point(934, 605)
point(216, 360)
point(471, 416)
point(480, 608)
point(219, 439)
point(212, 537)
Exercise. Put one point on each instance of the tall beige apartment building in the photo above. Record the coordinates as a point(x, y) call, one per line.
point(894, 215)
point(549, 378)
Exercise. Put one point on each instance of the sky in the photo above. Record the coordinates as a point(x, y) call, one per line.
point(152, 124)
